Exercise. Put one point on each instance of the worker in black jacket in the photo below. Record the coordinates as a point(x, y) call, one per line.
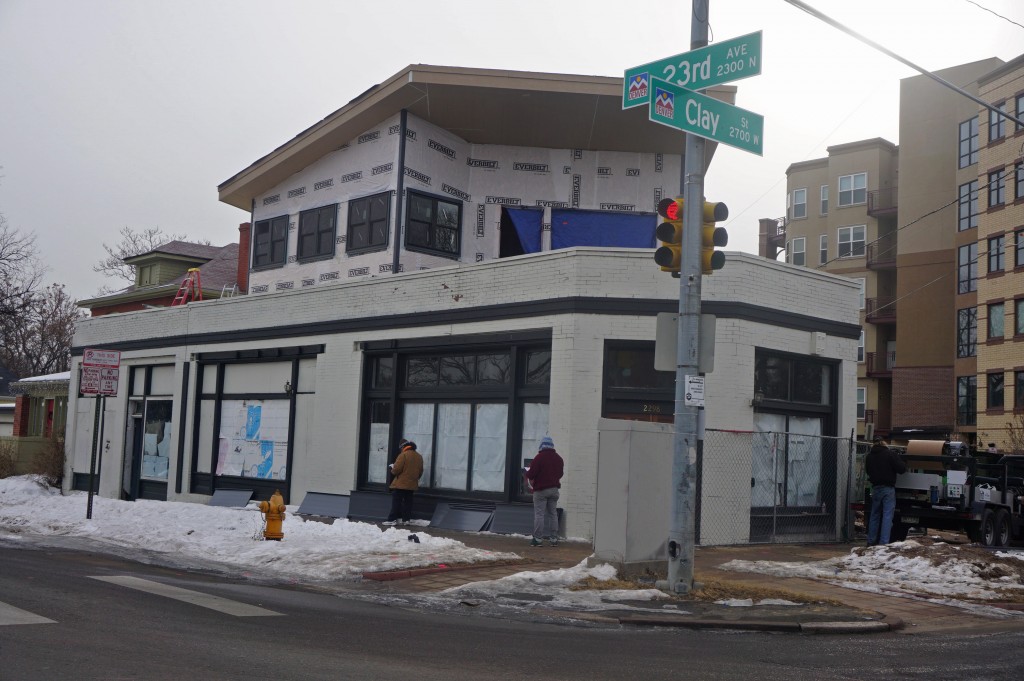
point(882, 466)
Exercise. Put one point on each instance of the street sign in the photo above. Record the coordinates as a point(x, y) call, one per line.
point(99, 380)
point(94, 357)
point(694, 396)
point(706, 117)
point(722, 62)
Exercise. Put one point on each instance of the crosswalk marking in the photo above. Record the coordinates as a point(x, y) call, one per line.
point(11, 615)
point(217, 603)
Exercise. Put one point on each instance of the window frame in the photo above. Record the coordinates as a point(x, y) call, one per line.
point(1018, 317)
point(823, 249)
point(996, 253)
point(862, 403)
point(1018, 391)
point(967, 210)
point(967, 268)
point(432, 227)
point(796, 202)
point(284, 223)
point(1019, 109)
point(997, 188)
point(860, 348)
point(1018, 180)
point(996, 123)
point(862, 295)
point(851, 242)
point(1018, 238)
point(318, 233)
point(823, 207)
point(967, 400)
point(853, 190)
point(995, 311)
point(967, 332)
point(995, 392)
point(968, 143)
point(800, 241)
point(351, 225)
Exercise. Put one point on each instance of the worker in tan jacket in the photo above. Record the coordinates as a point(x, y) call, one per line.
point(406, 469)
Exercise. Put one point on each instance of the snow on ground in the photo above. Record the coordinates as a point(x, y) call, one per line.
point(964, 576)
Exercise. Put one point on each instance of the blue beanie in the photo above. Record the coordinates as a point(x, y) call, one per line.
point(546, 443)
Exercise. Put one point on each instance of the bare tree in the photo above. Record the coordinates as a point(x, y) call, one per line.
point(133, 242)
point(1015, 434)
point(20, 270)
point(38, 340)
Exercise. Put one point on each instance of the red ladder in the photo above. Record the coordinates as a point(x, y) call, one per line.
point(190, 288)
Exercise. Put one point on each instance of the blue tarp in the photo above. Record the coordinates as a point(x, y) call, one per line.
point(600, 228)
point(527, 222)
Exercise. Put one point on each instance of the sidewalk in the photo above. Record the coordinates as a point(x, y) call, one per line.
point(847, 610)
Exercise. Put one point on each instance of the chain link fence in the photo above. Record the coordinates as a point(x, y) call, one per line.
point(771, 487)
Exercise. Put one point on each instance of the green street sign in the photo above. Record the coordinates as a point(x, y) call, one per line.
point(719, 63)
point(706, 117)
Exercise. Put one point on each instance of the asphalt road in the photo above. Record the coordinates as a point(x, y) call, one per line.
point(111, 618)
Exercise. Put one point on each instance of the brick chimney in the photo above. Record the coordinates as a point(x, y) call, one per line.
point(244, 240)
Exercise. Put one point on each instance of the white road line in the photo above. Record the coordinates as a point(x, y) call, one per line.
point(11, 615)
point(188, 596)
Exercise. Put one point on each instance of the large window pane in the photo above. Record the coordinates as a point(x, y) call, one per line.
point(418, 426)
point(494, 369)
point(538, 367)
point(535, 427)
point(156, 440)
point(380, 436)
point(421, 372)
point(458, 370)
point(489, 442)
point(771, 377)
point(452, 453)
point(810, 383)
point(254, 439)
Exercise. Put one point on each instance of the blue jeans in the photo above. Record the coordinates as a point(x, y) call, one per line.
point(545, 514)
point(883, 504)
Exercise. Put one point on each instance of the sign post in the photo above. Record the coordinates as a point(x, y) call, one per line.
point(100, 373)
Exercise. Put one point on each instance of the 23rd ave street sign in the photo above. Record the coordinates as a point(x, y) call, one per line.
point(722, 62)
point(692, 112)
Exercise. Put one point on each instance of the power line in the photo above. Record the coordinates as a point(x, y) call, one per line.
point(992, 12)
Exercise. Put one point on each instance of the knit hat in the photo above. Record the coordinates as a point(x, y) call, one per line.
point(546, 443)
point(403, 443)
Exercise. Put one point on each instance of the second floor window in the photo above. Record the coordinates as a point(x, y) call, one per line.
point(799, 251)
point(368, 220)
point(995, 391)
point(966, 332)
point(996, 254)
point(969, 142)
point(1018, 180)
point(799, 203)
point(996, 124)
point(851, 241)
point(823, 249)
point(862, 399)
point(967, 268)
point(1018, 316)
point(996, 189)
point(860, 347)
point(995, 321)
point(433, 225)
point(968, 205)
point(270, 242)
point(824, 199)
point(1018, 238)
point(316, 232)
point(853, 189)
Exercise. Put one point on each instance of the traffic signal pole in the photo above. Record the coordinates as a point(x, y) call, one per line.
point(684, 441)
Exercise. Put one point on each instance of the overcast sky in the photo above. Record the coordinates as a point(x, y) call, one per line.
point(130, 112)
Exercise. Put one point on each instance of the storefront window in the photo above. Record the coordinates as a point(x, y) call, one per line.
point(156, 440)
point(254, 439)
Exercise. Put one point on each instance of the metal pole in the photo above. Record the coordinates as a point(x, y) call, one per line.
point(92, 461)
point(684, 442)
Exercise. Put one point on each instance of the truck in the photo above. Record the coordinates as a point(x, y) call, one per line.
point(948, 486)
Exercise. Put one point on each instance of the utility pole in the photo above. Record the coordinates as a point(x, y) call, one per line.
point(684, 441)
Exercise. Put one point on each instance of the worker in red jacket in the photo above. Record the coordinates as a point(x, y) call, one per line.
point(545, 475)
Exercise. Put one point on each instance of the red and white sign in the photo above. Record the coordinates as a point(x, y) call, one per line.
point(100, 371)
point(93, 357)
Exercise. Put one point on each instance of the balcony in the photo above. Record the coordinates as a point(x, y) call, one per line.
point(879, 364)
point(777, 234)
point(880, 310)
point(882, 202)
point(881, 253)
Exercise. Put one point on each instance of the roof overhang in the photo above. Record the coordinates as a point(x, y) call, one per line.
point(481, 106)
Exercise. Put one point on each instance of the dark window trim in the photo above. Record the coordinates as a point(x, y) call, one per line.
point(989, 407)
point(271, 263)
point(317, 233)
point(457, 254)
point(373, 247)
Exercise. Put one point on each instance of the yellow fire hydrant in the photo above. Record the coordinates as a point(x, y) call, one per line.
point(273, 512)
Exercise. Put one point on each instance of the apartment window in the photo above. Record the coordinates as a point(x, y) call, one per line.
point(968, 205)
point(966, 400)
point(270, 242)
point(863, 289)
point(995, 321)
point(823, 248)
point(995, 391)
point(966, 332)
point(368, 220)
point(860, 347)
point(851, 241)
point(799, 251)
point(824, 199)
point(996, 250)
point(799, 203)
point(969, 142)
point(967, 268)
point(1018, 391)
point(1018, 238)
point(433, 225)
point(316, 232)
point(862, 400)
point(1020, 111)
point(853, 189)
point(996, 189)
point(1018, 319)
point(1018, 180)
point(147, 275)
point(997, 123)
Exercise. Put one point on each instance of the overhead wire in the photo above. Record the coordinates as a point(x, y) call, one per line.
point(993, 12)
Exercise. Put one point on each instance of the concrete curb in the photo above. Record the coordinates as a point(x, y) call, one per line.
point(391, 575)
point(869, 627)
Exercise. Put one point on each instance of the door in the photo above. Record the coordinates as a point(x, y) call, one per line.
point(132, 454)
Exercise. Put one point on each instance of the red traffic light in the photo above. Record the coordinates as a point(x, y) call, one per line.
point(669, 209)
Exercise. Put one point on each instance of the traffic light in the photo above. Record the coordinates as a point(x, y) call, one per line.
point(712, 237)
point(670, 234)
